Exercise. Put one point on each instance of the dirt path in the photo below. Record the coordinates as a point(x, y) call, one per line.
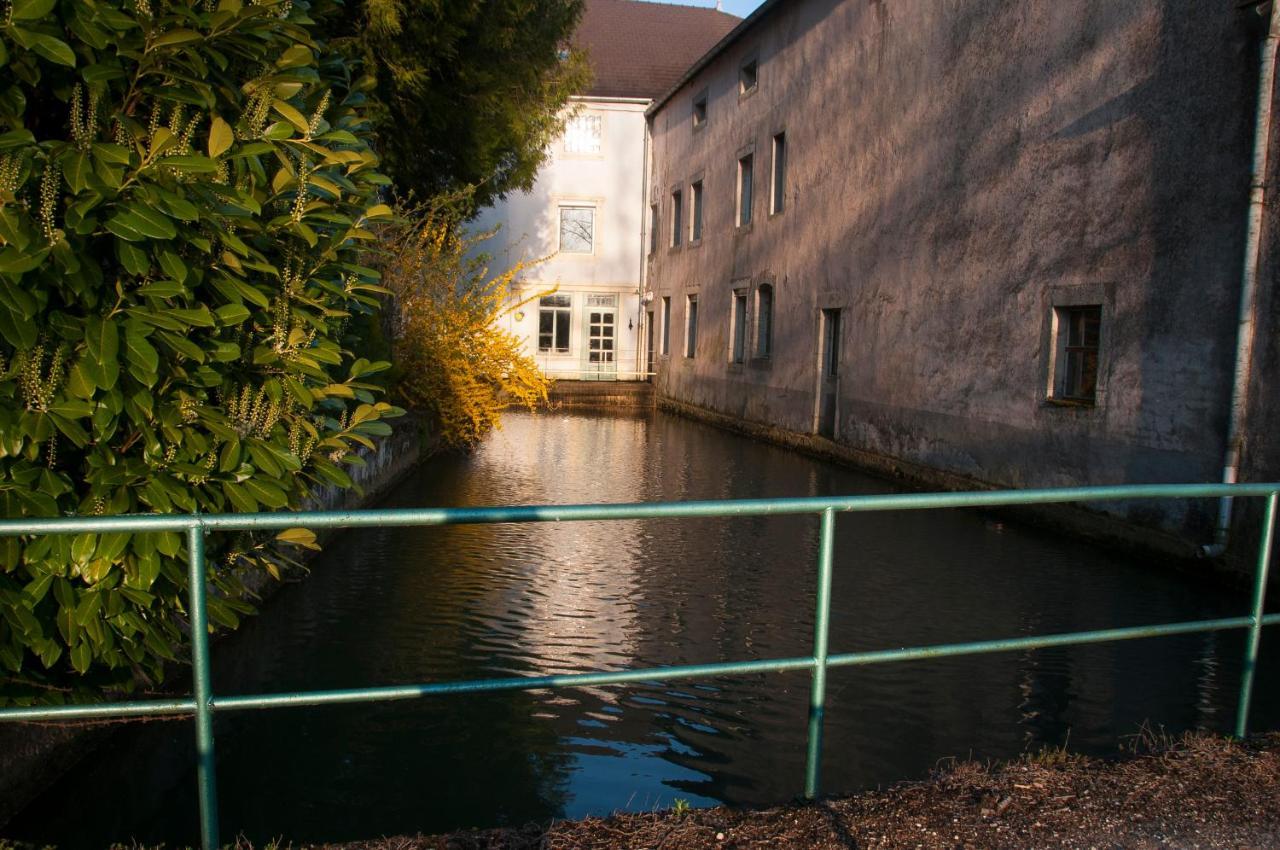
point(1201, 792)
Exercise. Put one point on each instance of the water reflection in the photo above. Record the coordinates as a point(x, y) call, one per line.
point(412, 605)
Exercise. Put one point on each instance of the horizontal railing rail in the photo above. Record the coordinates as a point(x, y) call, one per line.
point(203, 704)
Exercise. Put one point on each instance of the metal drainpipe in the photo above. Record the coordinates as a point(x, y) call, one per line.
point(643, 366)
point(1247, 332)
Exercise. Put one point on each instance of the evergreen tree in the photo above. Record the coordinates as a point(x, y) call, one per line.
point(469, 92)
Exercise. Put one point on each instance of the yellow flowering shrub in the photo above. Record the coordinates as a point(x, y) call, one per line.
point(456, 363)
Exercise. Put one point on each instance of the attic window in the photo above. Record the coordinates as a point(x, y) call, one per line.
point(748, 76)
point(582, 134)
point(699, 110)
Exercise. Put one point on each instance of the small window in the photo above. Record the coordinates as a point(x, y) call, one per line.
point(745, 167)
point(830, 343)
point(577, 230)
point(553, 323)
point(666, 325)
point(653, 228)
point(695, 212)
point(699, 111)
point(691, 326)
point(748, 76)
point(677, 216)
point(739, 347)
point(779, 194)
point(1078, 334)
point(764, 320)
point(582, 134)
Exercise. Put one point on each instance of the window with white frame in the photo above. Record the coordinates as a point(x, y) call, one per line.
point(695, 211)
point(738, 343)
point(1077, 334)
point(553, 323)
point(764, 320)
point(691, 326)
point(677, 216)
point(666, 325)
point(583, 134)
point(577, 229)
point(745, 169)
point(778, 195)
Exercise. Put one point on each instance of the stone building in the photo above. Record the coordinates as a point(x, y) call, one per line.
point(585, 212)
point(979, 242)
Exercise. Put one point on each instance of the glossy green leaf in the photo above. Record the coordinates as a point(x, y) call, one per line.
point(31, 10)
point(221, 137)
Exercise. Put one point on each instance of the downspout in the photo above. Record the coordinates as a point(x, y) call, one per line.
point(643, 367)
point(1247, 331)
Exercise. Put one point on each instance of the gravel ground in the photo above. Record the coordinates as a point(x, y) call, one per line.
point(1198, 792)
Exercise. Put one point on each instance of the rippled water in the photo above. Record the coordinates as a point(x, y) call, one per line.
point(413, 605)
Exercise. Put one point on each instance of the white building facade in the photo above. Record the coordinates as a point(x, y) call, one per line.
point(580, 232)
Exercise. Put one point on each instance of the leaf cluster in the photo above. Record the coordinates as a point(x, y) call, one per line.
point(185, 188)
point(458, 365)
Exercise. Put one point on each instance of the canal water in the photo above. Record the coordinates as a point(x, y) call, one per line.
point(419, 605)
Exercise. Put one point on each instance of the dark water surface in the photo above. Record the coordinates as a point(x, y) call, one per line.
point(418, 605)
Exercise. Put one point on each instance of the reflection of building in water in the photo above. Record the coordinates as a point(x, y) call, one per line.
point(573, 590)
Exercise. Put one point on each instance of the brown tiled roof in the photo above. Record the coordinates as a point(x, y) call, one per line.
point(640, 49)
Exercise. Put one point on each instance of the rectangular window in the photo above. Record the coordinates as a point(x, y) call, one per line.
point(695, 211)
point(582, 134)
point(577, 230)
point(691, 326)
point(739, 350)
point(676, 218)
point(745, 167)
point(764, 320)
point(1078, 333)
point(553, 323)
point(748, 76)
point(666, 324)
point(779, 193)
point(653, 228)
point(699, 111)
point(830, 343)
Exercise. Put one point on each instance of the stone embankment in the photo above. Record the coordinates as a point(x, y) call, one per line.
point(601, 395)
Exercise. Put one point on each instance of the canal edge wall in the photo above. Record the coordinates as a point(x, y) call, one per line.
point(34, 756)
point(1146, 544)
point(600, 395)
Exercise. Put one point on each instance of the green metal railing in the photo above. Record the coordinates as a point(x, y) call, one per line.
point(203, 704)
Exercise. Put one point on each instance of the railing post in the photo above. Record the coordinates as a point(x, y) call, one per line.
point(1255, 628)
point(821, 627)
point(206, 779)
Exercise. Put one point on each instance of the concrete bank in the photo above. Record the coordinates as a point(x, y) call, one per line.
point(601, 395)
point(33, 755)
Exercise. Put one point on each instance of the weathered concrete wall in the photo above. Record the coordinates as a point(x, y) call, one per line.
point(955, 170)
point(601, 395)
point(33, 756)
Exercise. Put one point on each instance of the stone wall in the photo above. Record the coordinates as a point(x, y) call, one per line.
point(955, 171)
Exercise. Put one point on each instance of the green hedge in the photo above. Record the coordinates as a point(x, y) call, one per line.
point(184, 190)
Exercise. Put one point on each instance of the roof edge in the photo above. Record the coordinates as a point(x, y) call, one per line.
point(719, 47)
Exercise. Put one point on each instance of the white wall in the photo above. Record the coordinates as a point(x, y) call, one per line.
point(612, 182)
